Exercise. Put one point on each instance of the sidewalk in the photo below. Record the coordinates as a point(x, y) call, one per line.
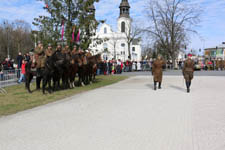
point(125, 116)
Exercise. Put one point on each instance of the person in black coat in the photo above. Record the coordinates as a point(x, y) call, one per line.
point(19, 59)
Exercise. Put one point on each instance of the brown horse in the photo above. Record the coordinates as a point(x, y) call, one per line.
point(75, 64)
point(93, 62)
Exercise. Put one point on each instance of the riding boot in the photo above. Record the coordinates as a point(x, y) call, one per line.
point(188, 86)
point(38, 82)
point(38, 74)
point(159, 85)
point(155, 85)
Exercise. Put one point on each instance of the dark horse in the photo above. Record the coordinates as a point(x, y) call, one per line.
point(53, 70)
point(30, 73)
point(92, 66)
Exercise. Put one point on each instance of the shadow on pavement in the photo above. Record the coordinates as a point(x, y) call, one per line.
point(151, 86)
point(177, 88)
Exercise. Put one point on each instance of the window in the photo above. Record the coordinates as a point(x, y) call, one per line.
point(105, 30)
point(123, 27)
point(105, 46)
point(133, 49)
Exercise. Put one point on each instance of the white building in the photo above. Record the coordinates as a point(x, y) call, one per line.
point(116, 45)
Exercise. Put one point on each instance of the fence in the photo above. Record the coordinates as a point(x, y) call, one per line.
point(8, 78)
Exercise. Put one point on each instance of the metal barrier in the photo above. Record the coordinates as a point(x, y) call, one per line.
point(8, 78)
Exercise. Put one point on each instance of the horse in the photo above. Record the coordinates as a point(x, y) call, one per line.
point(75, 64)
point(30, 72)
point(93, 61)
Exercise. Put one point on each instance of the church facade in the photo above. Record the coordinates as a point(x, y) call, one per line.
point(115, 43)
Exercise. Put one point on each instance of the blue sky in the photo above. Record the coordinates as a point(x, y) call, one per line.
point(211, 29)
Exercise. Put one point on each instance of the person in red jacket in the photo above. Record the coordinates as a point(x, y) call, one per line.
point(22, 75)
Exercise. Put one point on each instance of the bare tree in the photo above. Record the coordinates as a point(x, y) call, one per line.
point(132, 32)
point(15, 37)
point(171, 22)
point(113, 41)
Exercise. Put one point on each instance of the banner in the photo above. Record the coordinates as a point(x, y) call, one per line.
point(62, 29)
point(78, 36)
point(73, 33)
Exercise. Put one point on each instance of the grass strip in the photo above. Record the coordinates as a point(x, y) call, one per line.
point(18, 99)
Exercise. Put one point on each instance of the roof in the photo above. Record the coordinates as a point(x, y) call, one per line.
point(124, 3)
point(135, 42)
point(217, 47)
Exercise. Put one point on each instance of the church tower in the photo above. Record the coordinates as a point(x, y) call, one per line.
point(124, 20)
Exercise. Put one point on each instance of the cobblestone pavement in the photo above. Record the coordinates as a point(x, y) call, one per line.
point(125, 116)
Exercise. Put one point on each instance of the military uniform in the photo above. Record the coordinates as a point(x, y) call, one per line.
point(217, 64)
point(48, 51)
point(188, 71)
point(221, 64)
point(40, 57)
point(157, 69)
point(66, 50)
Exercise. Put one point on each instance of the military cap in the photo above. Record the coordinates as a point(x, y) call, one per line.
point(49, 45)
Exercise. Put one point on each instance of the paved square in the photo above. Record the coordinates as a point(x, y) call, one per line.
point(125, 116)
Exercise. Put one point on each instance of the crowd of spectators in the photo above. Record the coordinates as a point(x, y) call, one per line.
point(11, 66)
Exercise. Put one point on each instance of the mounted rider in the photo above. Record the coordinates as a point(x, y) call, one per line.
point(39, 58)
point(49, 51)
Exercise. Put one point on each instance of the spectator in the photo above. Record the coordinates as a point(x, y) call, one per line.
point(27, 57)
point(138, 66)
point(110, 66)
point(22, 75)
point(19, 59)
point(1, 72)
point(118, 67)
point(6, 64)
point(105, 67)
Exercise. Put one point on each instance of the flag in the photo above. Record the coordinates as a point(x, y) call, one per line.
point(78, 36)
point(73, 34)
point(62, 29)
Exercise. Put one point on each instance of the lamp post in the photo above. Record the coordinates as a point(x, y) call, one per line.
point(35, 40)
point(7, 34)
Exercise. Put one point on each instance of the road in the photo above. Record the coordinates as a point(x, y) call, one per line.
point(128, 115)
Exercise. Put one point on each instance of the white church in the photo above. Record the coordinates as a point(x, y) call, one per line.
point(116, 45)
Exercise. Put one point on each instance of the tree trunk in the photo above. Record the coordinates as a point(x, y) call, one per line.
point(129, 53)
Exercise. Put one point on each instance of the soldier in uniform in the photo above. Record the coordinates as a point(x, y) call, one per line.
point(221, 64)
point(217, 64)
point(40, 58)
point(66, 49)
point(157, 69)
point(40, 63)
point(59, 47)
point(48, 51)
point(188, 71)
point(74, 51)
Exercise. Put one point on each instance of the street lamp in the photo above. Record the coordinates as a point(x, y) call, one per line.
point(7, 32)
point(35, 37)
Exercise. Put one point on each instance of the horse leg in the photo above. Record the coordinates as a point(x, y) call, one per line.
point(30, 77)
point(38, 83)
point(49, 85)
point(44, 84)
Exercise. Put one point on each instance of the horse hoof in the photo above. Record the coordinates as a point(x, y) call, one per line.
point(90, 82)
point(82, 84)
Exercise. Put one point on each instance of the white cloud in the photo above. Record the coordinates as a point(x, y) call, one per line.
point(11, 10)
point(212, 27)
